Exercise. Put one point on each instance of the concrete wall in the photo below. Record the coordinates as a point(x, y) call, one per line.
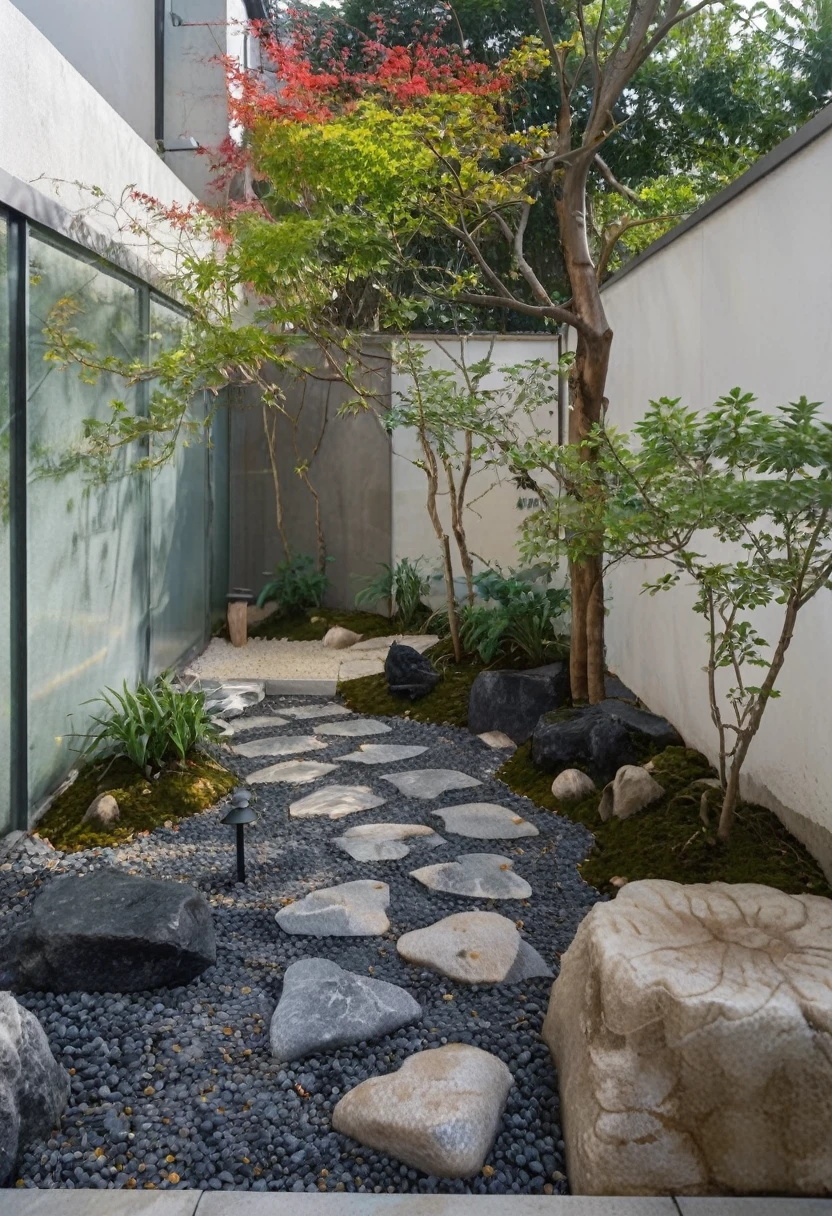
point(494, 514)
point(351, 473)
point(742, 298)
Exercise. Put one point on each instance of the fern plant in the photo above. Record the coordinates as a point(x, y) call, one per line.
point(405, 585)
point(151, 726)
point(295, 585)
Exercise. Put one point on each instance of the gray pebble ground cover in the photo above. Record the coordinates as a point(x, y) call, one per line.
point(177, 1088)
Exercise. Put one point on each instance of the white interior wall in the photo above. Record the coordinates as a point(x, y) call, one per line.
point(493, 517)
point(743, 298)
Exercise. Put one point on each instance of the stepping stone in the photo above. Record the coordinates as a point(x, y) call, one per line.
point(323, 1007)
point(113, 932)
point(480, 875)
point(279, 745)
point(485, 821)
point(308, 712)
point(430, 782)
point(240, 724)
point(353, 726)
point(383, 753)
point(474, 948)
point(295, 772)
point(353, 909)
point(386, 841)
point(336, 802)
point(439, 1113)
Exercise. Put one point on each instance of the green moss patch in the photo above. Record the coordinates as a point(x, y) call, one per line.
point(669, 840)
point(143, 805)
point(312, 625)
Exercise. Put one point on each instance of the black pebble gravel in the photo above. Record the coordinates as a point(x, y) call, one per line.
point(177, 1087)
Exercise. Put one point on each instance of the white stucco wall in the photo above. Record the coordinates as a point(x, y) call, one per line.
point(493, 516)
point(743, 298)
point(56, 130)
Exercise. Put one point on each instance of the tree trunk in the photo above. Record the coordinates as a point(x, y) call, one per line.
point(587, 382)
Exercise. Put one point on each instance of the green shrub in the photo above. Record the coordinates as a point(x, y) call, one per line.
point(151, 727)
point(518, 618)
point(404, 584)
point(295, 585)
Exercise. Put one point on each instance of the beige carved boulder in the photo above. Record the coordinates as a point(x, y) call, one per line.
point(338, 638)
point(692, 1031)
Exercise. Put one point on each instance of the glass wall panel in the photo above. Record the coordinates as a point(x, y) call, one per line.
point(5, 690)
point(220, 524)
point(87, 547)
point(179, 525)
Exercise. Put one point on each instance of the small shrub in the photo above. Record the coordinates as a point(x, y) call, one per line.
point(295, 585)
point(519, 617)
point(405, 584)
point(151, 727)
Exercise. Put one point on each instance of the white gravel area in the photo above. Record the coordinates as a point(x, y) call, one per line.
point(267, 659)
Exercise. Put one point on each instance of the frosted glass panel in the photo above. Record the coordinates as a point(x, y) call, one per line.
point(87, 551)
point(220, 455)
point(179, 522)
point(5, 690)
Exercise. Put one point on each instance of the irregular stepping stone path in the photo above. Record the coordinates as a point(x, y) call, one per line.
point(430, 782)
point(439, 1113)
point(312, 928)
point(383, 753)
point(485, 821)
point(480, 875)
point(295, 772)
point(280, 745)
point(474, 948)
point(353, 909)
point(386, 841)
point(336, 801)
point(322, 1007)
point(354, 726)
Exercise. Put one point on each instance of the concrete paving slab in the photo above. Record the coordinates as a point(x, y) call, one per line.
point(98, 1203)
point(715, 1205)
point(244, 1203)
point(301, 688)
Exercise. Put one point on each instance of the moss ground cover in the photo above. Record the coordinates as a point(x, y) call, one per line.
point(312, 625)
point(143, 804)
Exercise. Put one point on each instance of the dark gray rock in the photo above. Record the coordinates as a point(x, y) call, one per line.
point(600, 738)
point(614, 687)
point(323, 1007)
point(513, 701)
point(409, 674)
point(34, 1089)
point(113, 932)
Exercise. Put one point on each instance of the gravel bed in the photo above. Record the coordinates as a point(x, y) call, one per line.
point(177, 1087)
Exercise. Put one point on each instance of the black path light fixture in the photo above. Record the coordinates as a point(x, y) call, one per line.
point(239, 814)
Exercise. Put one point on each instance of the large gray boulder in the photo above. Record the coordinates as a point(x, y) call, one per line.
point(34, 1089)
point(691, 1026)
point(513, 701)
point(600, 738)
point(439, 1113)
point(323, 1007)
point(113, 932)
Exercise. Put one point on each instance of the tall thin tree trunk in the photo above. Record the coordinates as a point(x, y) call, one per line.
point(270, 433)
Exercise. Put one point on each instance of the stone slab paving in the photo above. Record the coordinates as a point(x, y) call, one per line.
point(256, 723)
point(383, 753)
point(280, 745)
point(314, 713)
point(474, 948)
point(485, 821)
point(335, 802)
point(351, 727)
point(386, 841)
point(187, 1073)
point(478, 875)
point(431, 782)
point(352, 909)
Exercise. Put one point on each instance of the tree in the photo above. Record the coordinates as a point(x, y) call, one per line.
point(739, 503)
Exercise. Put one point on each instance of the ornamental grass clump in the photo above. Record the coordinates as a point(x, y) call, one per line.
point(153, 726)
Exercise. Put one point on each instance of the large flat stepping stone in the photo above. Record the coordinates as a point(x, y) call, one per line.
point(280, 745)
point(430, 782)
point(336, 802)
point(439, 1113)
point(386, 841)
point(480, 875)
point(353, 726)
point(353, 909)
point(310, 712)
point(323, 1007)
point(295, 772)
point(383, 753)
point(241, 724)
point(485, 821)
point(474, 948)
point(113, 932)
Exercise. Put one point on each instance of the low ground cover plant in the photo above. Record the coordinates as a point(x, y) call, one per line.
point(403, 586)
point(295, 585)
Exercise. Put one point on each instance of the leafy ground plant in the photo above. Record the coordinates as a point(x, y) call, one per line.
point(151, 727)
point(518, 619)
point(294, 585)
point(403, 586)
